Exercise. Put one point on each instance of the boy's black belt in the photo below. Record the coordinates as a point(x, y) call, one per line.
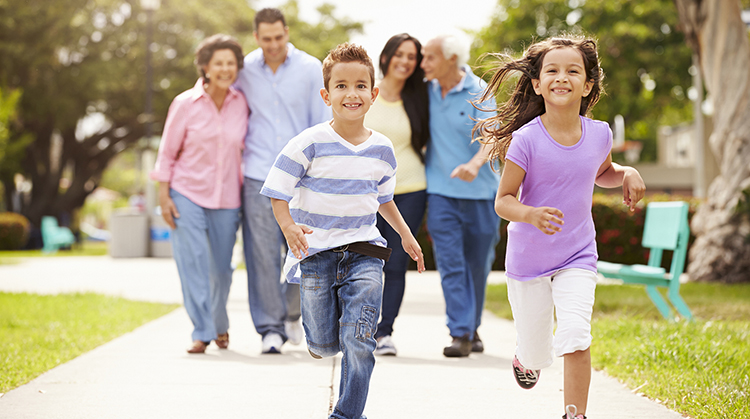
point(367, 249)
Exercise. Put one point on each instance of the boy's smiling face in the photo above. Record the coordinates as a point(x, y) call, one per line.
point(350, 92)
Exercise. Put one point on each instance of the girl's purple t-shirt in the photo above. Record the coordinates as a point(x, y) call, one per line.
point(560, 177)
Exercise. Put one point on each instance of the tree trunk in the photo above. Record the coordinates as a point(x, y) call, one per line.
point(715, 31)
point(86, 161)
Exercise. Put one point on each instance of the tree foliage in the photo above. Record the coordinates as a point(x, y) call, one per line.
point(8, 103)
point(644, 57)
point(318, 38)
point(81, 67)
point(10, 151)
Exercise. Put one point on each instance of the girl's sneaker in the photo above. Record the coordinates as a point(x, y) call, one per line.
point(571, 412)
point(524, 377)
point(385, 346)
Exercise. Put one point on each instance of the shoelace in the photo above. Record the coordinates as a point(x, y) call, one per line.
point(532, 373)
point(574, 413)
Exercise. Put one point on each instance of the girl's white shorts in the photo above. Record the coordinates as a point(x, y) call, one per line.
point(570, 293)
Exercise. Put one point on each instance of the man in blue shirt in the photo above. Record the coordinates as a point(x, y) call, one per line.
point(461, 190)
point(282, 87)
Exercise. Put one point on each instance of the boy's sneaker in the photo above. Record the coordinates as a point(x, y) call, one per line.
point(313, 354)
point(385, 346)
point(272, 343)
point(524, 377)
point(571, 413)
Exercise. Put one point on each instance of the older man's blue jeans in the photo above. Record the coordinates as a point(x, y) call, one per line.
point(202, 246)
point(271, 301)
point(464, 234)
point(341, 293)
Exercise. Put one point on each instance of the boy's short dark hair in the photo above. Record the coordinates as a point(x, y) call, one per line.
point(347, 53)
point(269, 15)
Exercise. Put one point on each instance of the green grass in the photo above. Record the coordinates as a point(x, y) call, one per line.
point(86, 248)
point(700, 368)
point(39, 332)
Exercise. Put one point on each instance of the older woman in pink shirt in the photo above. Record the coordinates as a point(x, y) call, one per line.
point(198, 167)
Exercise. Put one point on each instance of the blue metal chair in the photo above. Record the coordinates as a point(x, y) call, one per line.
point(666, 228)
point(54, 236)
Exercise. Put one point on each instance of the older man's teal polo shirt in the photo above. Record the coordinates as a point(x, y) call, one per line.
point(451, 121)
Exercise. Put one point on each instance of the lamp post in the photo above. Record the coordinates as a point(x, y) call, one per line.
point(149, 6)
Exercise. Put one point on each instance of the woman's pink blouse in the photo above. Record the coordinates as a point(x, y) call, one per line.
point(200, 154)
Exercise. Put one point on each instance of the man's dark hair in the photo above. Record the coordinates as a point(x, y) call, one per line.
point(269, 15)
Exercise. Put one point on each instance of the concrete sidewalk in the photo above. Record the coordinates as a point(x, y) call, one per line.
point(148, 374)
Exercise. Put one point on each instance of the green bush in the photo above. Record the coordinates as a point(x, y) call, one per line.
point(14, 231)
point(618, 232)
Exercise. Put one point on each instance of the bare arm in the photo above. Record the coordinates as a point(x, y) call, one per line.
point(469, 170)
point(612, 175)
point(168, 208)
point(547, 219)
point(389, 211)
point(293, 233)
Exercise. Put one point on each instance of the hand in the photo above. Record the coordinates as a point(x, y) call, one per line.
point(295, 238)
point(633, 188)
point(466, 172)
point(547, 219)
point(412, 248)
point(168, 210)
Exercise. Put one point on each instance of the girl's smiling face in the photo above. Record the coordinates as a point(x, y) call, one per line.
point(562, 79)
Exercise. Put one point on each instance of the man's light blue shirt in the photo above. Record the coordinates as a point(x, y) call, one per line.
point(451, 121)
point(282, 105)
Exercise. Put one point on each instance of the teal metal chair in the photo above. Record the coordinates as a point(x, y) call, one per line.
point(54, 236)
point(666, 228)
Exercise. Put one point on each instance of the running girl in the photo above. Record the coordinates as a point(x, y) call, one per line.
point(554, 155)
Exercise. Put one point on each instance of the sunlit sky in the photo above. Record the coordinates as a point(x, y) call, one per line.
point(422, 19)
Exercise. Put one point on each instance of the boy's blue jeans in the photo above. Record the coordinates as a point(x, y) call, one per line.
point(340, 293)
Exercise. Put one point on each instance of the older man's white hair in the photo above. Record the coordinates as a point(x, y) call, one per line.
point(458, 44)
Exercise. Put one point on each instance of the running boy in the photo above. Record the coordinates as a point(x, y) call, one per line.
point(326, 187)
point(554, 155)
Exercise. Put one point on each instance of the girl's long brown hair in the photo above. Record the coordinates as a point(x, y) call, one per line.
point(524, 104)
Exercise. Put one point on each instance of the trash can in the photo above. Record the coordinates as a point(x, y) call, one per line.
point(161, 246)
point(130, 234)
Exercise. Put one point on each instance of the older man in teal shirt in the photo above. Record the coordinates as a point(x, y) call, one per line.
point(461, 189)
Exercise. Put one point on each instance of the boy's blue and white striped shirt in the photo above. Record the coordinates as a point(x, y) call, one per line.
point(333, 187)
